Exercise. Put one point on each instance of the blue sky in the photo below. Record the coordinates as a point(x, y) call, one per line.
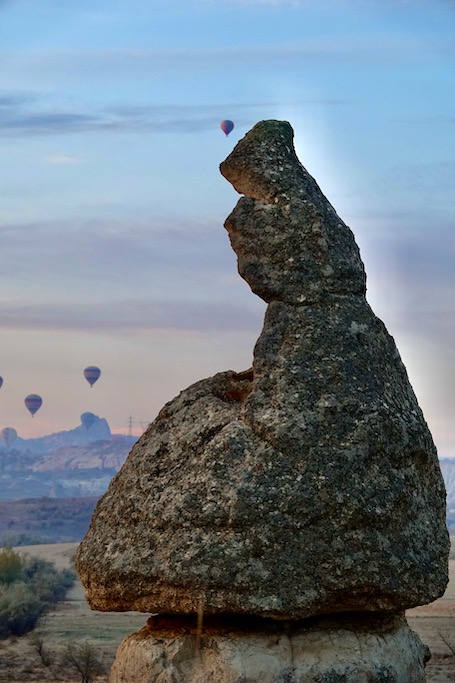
point(113, 250)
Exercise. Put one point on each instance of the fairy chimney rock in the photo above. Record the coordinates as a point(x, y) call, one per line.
point(307, 485)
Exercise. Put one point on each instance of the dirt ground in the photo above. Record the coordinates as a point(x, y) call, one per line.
point(435, 623)
point(73, 621)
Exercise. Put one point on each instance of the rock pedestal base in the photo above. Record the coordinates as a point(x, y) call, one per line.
point(339, 649)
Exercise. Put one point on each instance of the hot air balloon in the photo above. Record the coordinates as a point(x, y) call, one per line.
point(1, 381)
point(227, 126)
point(33, 403)
point(7, 435)
point(88, 419)
point(91, 374)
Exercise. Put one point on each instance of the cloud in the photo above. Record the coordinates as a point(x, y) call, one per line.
point(13, 99)
point(64, 160)
point(123, 247)
point(429, 178)
point(25, 115)
point(38, 123)
point(122, 274)
point(122, 63)
point(113, 67)
point(131, 314)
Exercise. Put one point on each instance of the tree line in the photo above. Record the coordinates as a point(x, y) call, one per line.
point(29, 586)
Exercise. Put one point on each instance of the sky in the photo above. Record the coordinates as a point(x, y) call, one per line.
point(113, 251)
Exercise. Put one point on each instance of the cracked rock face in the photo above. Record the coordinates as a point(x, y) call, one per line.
point(309, 484)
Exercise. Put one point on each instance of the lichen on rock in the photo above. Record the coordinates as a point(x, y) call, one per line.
point(306, 485)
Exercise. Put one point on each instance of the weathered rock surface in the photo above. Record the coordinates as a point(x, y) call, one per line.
point(290, 243)
point(309, 484)
point(360, 650)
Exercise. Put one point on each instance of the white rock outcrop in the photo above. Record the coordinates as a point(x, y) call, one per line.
point(331, 651)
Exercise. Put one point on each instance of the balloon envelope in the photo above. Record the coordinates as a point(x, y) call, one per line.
point(88, 419)
point(1, 381)
point(33, 403)
point(227, 126)
point(7, 435)
point(91, 374)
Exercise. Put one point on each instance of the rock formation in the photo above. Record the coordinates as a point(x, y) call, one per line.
point(365, 649)
point(307, 485)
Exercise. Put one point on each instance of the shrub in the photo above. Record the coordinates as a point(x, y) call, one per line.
point(51, 584)
point(10, 566)
point(37, 641)
point(20, 609)
point(449, 641)
point(84, 659)
point(28, 586)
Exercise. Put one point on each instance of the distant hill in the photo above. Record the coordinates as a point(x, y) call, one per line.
point(75, 463)
point(93, 429)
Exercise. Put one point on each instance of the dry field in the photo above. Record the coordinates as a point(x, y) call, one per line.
point(72, 621)
point(435, 623)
